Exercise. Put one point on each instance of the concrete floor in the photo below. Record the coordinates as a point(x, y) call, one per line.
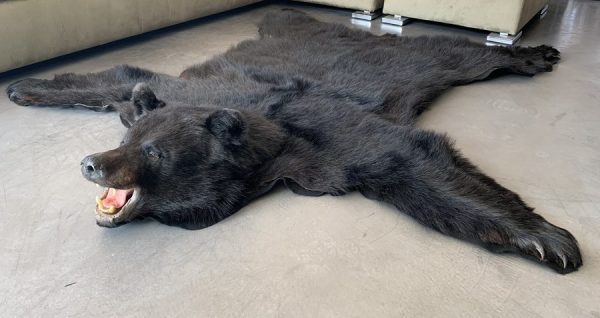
point(291, 256)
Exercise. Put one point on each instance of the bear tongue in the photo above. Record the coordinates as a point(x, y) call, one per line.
point(115, 198)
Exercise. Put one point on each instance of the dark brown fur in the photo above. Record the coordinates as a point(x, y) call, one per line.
point(319, 107)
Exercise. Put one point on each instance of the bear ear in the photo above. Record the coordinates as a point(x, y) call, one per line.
point(143, 101)
point(227, 125)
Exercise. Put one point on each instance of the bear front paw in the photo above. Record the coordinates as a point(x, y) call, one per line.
point(537, 59)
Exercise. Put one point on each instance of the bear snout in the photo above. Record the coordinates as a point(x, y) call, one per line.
point(112, 169)
point(91, 168)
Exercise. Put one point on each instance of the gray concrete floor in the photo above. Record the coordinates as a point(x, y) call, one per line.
point(291, 256)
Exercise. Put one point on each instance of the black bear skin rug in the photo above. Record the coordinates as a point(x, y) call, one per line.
point(319, 107)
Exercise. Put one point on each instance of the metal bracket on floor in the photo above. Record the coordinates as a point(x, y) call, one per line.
point(544, 11)
point(395, 19)
point(366, 15)
point(504, 38)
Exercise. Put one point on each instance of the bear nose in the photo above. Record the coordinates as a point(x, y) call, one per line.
point(90, 168)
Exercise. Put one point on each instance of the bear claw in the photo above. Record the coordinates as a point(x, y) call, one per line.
point(540, 250)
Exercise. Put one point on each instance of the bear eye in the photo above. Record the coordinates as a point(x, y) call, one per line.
point(152, 152)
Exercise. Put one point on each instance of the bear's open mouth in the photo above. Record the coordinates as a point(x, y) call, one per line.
point(112, 200)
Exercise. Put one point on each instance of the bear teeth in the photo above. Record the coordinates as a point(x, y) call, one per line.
point(109, 210)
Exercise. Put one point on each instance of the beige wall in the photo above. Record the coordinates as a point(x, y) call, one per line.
point(36, 30)
point(370, 5)
point(507, 16)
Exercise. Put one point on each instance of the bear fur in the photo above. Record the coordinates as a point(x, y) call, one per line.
point(318, 107)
